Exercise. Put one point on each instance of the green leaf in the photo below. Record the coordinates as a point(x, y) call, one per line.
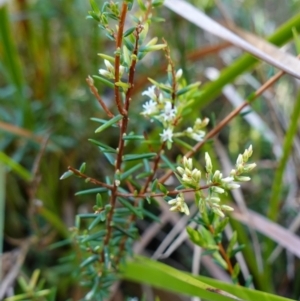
point(236, 250)
point(168, 162)
point(221, 226)
point(138, 156)
point(66, 175)
point(130, 171)
point(103, 147)
point(231, 244)
point(133, 137)
point(128, 32)
point(82, 167)
point(104, 81)
point(89, 260)
point(134, 210)
point(142, 5)
point(100, 218)
point(187, 88)
point(125, 232)
point(163, 188)
point(152, 216)
point(99, 201)
point(95, 237)
point(128, 44)
point(236, 271)
point(92, 190)
point(109, 123)
point(144, 175)
point(94, 6)
point(154, 185)
point(196, 238)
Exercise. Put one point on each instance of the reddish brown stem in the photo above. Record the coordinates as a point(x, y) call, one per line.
point(91, 180)
point(118, 57)
point(94, 90)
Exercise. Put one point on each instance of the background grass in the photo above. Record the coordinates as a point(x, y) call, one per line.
point(48, 48)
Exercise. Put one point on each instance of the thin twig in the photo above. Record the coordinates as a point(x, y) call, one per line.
point(94, 90)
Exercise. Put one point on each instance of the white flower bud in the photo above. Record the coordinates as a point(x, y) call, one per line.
point(242, 179)
point(185, 209)
point(109, 66)
point(249, 167)
point(217, 189)
point(208, 164)
point(188, 163)
point(226, 208)
point(218, 212)
point(227, 180)
point(233, 186)
point(105, 73)
point(217, 176)
point(178, 74)
point(180, 170)
point(239, 160)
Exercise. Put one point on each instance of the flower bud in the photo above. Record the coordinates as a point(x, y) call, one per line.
point(208, 164)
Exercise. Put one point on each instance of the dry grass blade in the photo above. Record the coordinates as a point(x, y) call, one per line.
point(269, 53)
point(282, 236)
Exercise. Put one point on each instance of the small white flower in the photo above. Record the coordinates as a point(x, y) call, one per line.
point(169, 113)
point(167, 135)
point(150, 92)
point(150, 107)
point(178, 204)
point(198, 136)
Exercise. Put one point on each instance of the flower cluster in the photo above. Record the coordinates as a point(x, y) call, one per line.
point(190, 178)
point(167, 110)
point(179, 204)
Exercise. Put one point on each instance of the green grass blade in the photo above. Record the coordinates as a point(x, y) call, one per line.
point(144, 270)
point(2, 207)
point(16, 167)
point(287, 148)
point(212, 89)
point(9, 49)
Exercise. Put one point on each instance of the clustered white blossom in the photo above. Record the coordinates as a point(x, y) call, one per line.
point(190, 178)
point(161, 107)
point(179, 204)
